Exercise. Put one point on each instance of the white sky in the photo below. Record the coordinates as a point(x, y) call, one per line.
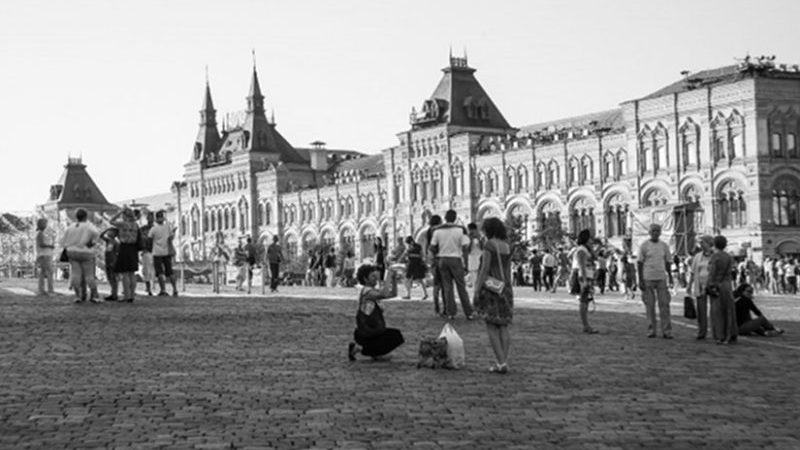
point(121, 82)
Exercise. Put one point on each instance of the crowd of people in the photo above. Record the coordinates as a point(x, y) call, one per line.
point(449, 259)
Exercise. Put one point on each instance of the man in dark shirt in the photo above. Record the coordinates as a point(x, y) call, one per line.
point(536, 270)
point(274, 257)
point(746, 323)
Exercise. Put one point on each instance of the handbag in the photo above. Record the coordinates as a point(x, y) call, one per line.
point(63, 258)
point(712, 290)
point(492, 283)
point(689, 310)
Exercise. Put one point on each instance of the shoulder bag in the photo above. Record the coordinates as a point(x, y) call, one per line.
point(492, 283)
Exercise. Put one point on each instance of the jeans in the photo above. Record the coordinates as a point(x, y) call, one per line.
point(45, 264)
point(452, 271)
point(549, 278)
point(536, 276)
point(652, 290)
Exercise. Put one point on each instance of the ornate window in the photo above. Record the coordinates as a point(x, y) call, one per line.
point(645, 156)
point(457, 170)
point(775, 143)
point(691, 194)
point(660, 156)
point(267, 214)
point(608, 166)
point(491, 183)
point(398, 187)
point(227, 218)
point(735, 136)
point(436, 183)
point(655, 197)
point(587, 172)
point(291, 247)
point(548, 212)
point(786, 203)
point(731, 207)
point(541, 176)
point(573, 172)
point(511, 178)
point(522, 179)
point(195, 223)
point(552, 175)
point(690, 136)
point(616, 216)
point(349, 207)
point(205, 222)
point(791, 145)
point(622, 164)
point(582, 216)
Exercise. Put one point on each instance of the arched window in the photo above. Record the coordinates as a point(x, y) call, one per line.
point(541, 177)
point(690, 135)
point(791, 145)
point(511, 179)
point(622, 165)
point(260, 218)
point(398, 187)
point(522, 179)
point(660, 156)
point(457, 170)
point(195, 223)
point(645, 156)
point(731, 207)
point(233, 218)
point(267, 213)
point(608, 166)
point(587, 172)
point(549, 215)
point(205, 222)
point(655, 197)
point(552, 176)
point(573, 172)
point(786, 203)
point(491, 183)
point(616, 216)
point(582, 216)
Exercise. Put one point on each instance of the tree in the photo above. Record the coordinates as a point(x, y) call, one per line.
point(551, 235)
point(515, 227)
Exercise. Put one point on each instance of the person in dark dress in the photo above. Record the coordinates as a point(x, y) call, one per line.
point(380, 257)
point(743, 296)
point(415, 267)
point(720, 292)
point(130, 241)
point(371, 336)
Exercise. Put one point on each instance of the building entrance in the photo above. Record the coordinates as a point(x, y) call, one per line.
point(686, 217)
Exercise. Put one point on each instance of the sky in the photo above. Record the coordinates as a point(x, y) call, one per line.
point(119, 83)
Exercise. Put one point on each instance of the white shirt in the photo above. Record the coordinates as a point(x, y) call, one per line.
point(655, 257)
point(160, 234)
point(77, 237)
point(451, 240)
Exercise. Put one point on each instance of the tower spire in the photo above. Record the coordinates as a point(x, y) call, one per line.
point(255, 100)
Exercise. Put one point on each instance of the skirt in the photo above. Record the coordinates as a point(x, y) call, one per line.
point(128, 259)
point(415, 269)
point(493, 308)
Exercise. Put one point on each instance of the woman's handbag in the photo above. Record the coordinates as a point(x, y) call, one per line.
point(689, 310)
point(492, 283)
point(712, 290)
point(63, 258)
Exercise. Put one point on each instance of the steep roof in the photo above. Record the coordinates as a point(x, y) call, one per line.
point(368, 166)
point(76, 189)
point(611, 118)
point(459, 99)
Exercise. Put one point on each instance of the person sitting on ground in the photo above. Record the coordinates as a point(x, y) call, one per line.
point(743, 296)
point(371, 335)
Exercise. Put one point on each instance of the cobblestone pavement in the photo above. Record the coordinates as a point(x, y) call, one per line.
point(238, 371)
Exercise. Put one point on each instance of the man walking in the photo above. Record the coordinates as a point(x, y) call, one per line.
point(448, 243)
point(274, 258)
point(536, 270)
point(549, 262)
point(330, 268)
point(160, 234)
point(250, 251)
point(654, 264)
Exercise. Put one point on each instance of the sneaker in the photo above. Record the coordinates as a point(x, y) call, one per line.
point(111, 298)
point(163, 294)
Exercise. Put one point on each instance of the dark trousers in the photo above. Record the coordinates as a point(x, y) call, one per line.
point(273, 274)
point(537, 279)
point(549, 277)
point(452, 271)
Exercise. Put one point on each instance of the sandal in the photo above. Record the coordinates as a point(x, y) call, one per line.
point(499, 368)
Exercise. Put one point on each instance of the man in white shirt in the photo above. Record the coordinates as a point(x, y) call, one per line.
point(78, 240)
point(654, 263)
point(448, 243)
point(161, 234)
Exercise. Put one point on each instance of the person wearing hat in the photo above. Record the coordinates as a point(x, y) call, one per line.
point(654, 269)
point(698, 280)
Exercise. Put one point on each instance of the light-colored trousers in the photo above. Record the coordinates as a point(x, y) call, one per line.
point(652, 291)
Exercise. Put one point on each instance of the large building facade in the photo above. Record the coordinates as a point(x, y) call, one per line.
point(715, 152)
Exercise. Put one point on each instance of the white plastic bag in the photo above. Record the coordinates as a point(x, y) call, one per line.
point(455, 347)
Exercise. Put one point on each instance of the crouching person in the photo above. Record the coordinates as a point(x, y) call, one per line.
point(372, 337)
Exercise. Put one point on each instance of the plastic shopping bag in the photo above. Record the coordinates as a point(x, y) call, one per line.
point(455, 347)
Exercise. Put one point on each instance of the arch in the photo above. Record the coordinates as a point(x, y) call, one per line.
point(367, 238)
point(786, 201)
point(582, 213)
point(691, 193)
point(788, 247)
point(655, 196)
point(309, 239)
point(488, 209)
point(615, 213)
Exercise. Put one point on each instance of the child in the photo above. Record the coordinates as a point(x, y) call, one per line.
point(111, 254)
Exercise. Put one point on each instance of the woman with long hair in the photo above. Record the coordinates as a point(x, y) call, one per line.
point(582, 278)
point(495, 308)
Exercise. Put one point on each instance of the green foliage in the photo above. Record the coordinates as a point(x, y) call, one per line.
point(551, 235)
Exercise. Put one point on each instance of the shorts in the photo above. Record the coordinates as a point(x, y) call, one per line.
point(163, 265)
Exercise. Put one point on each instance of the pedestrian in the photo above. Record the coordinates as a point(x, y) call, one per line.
point(148, 268)
point(330, 267)
point(720, 291)
point(349, 269)
point(398, 252)
point(274, 258)
point(130, 241)
point(582, 278)
point(250, 260)
point(628, 277)
point(601, 271)
point(432, 261)
point(564, 267)
point(448, 243)
point(45, 245)
point(111, 254)
point(496, 309)
point(474, 253)
point(415, 268)
point(654, 269)
point(240, 261)
point(536, 270)
point(613, 273)
point(549, 264)
point(380, 256)
point(160, 234)
point(698, 282)
point(371, 336)
point(79, 241)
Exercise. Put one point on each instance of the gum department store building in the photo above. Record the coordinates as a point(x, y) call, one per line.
point(714, 152)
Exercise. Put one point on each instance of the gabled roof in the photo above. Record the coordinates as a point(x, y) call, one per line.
point(78, 190)
point(459, 99)
point(612, 119)
point(704, 78)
